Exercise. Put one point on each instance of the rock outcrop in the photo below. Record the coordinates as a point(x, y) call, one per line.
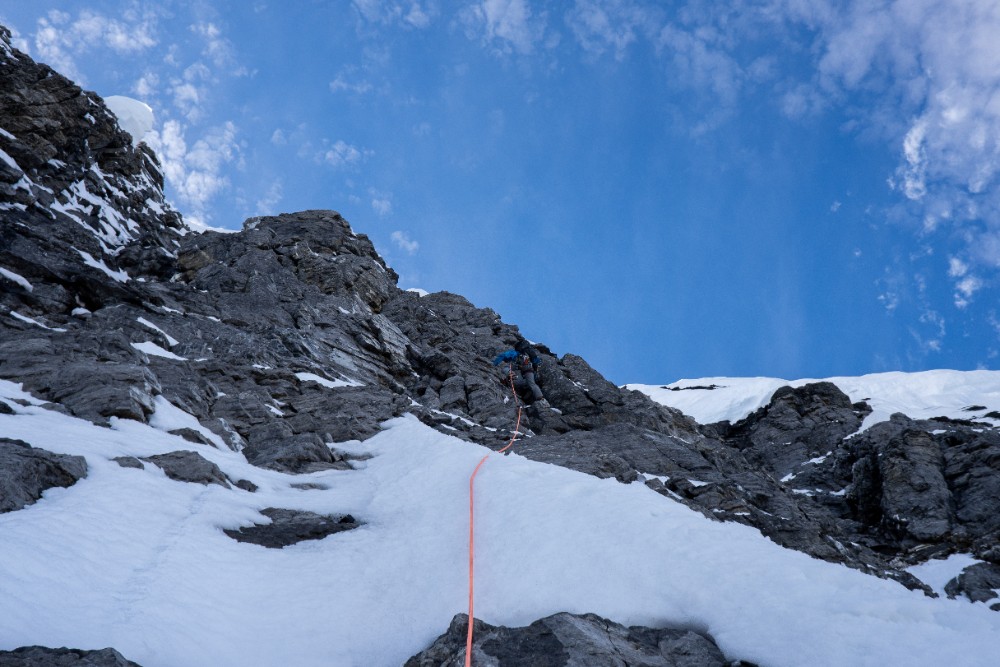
point(26, 472)
point(40, 656)
point(289, 527)
point(562, 640)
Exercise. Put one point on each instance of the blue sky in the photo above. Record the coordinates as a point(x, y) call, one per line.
point(793, 188)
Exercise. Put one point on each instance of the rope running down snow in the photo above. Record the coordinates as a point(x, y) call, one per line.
point(472, 518)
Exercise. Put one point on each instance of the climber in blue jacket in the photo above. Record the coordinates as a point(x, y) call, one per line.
point(526, 361)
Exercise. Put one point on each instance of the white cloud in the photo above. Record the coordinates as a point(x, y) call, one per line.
point(936, 331)
point(700, 60)
point(965, 289)
point(914, 171)
point(957, 268)
point(609, 25)
point(59, 39)
point(347, 80)
point(191, 91)
point(278, 137)
point(381, 203)
point(343, 154)
point(412, 14)
point(506, 25)
point(147, 85)
point(930, 74)
point(270, 199)
point(404, 242)
point(217, 48)
point(196, 173)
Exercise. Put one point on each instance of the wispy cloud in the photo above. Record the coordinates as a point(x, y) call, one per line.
point(600, 26)
point(217, 48)
point(386, 12)
point(266, 204)
point(930, 71)
point(350, 80)
point(507, 26)
point(197, 174)
point(403, 241)
point(342, 154)
point(60, 38)
point(381, 203)
point(191, 90)
point(966, 283)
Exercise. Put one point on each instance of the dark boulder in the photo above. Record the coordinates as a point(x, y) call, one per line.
point(188, 466)
point(564, 640)
point(977, 583)
point(289, 527)
point(26, 472)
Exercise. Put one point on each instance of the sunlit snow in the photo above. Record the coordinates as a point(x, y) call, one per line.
point(134, 117)
point(919, 395)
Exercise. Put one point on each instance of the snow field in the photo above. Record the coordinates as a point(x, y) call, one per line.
point(130, 559)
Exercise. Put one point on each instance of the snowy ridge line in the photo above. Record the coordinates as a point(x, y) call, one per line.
point(921, 395)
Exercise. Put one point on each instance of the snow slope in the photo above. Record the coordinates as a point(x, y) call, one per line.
point(919, 395)
point(131, 559)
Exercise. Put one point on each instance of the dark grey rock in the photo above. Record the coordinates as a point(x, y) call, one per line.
point(289, 527)
point(188, 466)
point(563, 640)
point(129, 462)
point(26, 472)
point(302, 453)
point(978, 583)
point(246, 485)
point(40, 656)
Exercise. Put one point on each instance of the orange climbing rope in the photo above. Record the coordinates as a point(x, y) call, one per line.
point(472, 521)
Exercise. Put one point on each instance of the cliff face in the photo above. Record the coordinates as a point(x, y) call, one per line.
point(291, 336)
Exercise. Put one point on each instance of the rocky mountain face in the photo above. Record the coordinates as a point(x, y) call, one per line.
point(291, 336)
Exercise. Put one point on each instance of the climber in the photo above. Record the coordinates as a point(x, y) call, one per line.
point(524, 358)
